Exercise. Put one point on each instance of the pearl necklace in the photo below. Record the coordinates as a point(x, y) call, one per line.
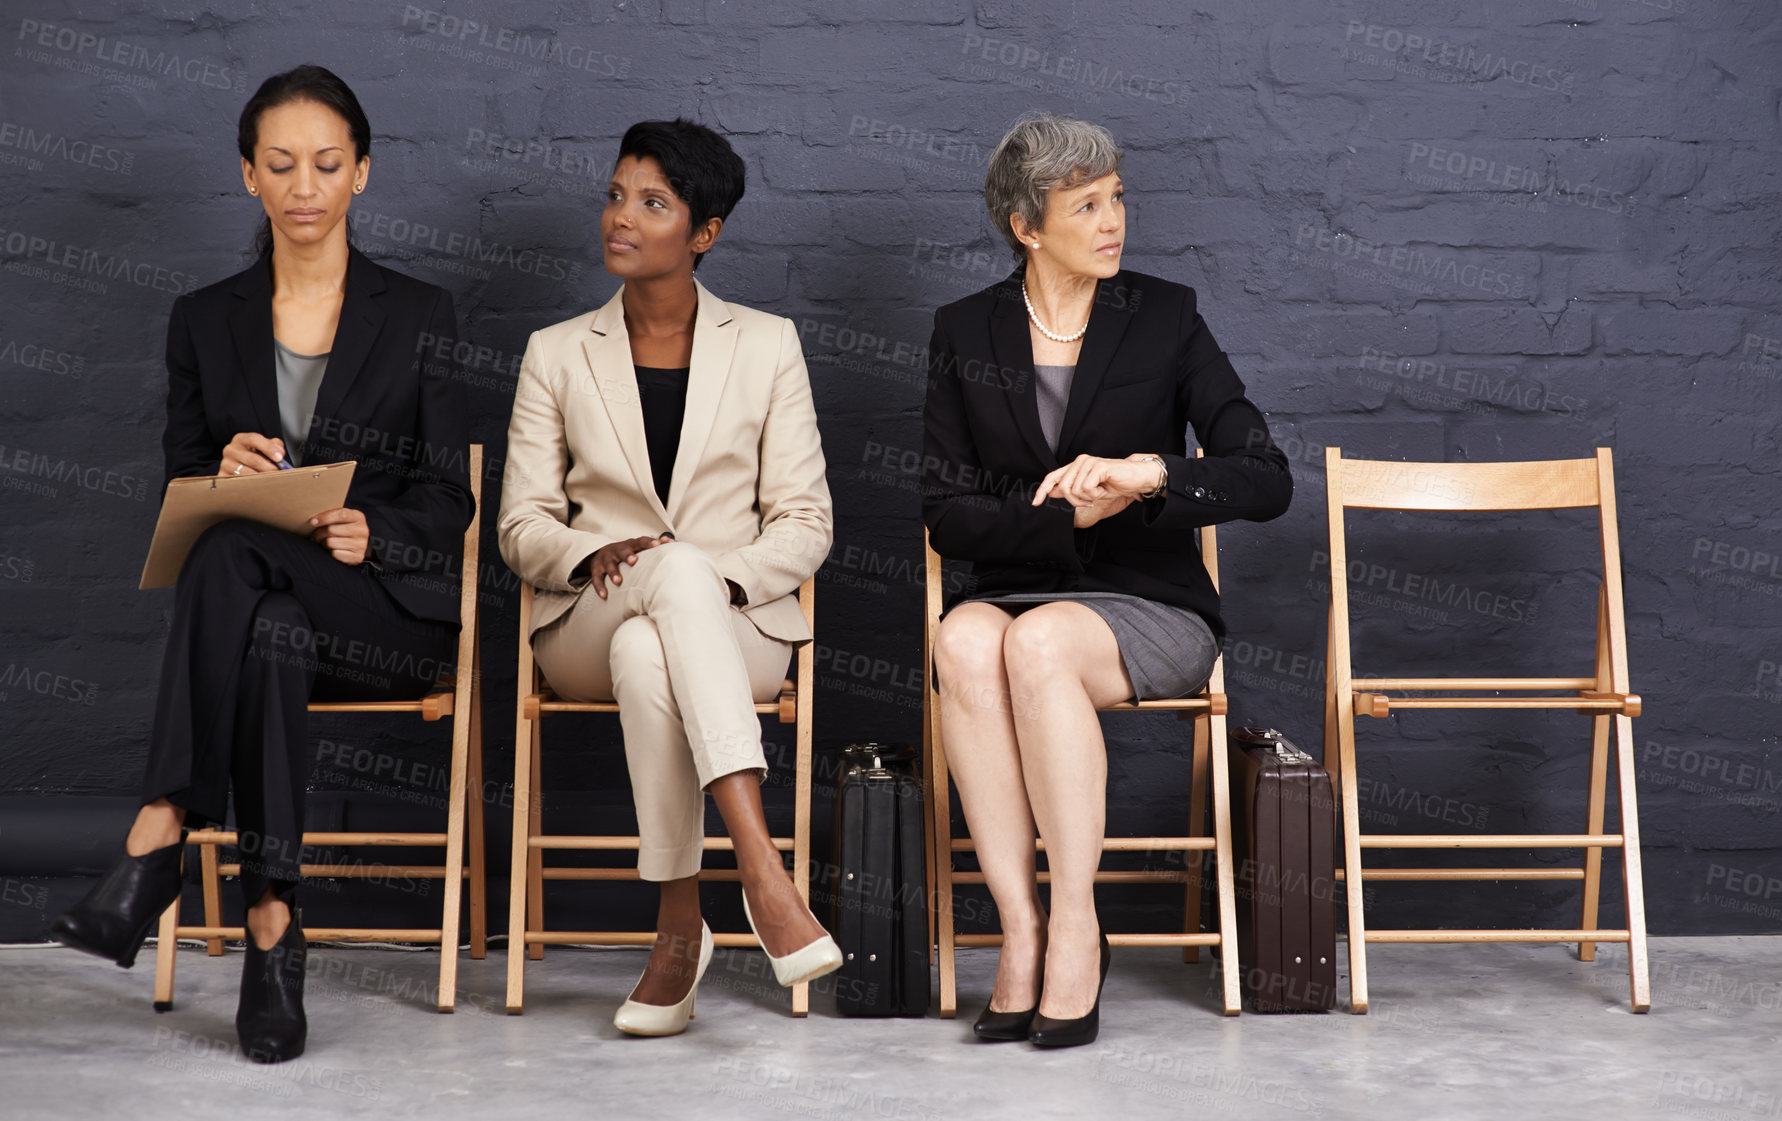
point(1034, 315)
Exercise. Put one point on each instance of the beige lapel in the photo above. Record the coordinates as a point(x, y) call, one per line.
point(714, 342)
point(608, 349)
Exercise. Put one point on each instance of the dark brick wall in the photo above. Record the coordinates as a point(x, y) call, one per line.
point(1425, 231)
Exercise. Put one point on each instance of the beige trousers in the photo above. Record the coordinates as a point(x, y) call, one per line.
point(687, 670)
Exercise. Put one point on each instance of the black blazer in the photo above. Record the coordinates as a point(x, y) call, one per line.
point(1148, 369)
point(405, 422)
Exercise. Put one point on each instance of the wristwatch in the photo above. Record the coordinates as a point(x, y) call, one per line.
point(1162, 482)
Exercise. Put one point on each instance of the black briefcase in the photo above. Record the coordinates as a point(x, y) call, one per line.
point(1283, 825)
point(880, 888)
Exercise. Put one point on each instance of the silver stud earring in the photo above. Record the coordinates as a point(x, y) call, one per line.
point(253, 190)
point(1036, 245)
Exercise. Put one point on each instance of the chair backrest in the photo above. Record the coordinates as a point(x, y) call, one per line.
point(1558, 484)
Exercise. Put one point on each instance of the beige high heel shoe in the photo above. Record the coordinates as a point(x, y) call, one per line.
point(803, 964)
point(665, 1019)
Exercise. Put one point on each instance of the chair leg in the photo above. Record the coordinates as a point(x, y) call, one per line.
point(1593, 858)
point(1196, 861)
point(449, 924)
point(165, 947)
point(929, 707)
point(1352, 882)
point(943, 881)
point(1227, 882)
point(213, 896)
point(1639, 985)
point(1599, 766)
point(535, 857)
point(479, 872)
point(518, 877)
point(801, 820)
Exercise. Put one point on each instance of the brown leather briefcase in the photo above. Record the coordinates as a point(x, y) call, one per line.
point(1282, 832)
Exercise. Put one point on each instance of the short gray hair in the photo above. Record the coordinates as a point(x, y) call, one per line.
point(1043, 151)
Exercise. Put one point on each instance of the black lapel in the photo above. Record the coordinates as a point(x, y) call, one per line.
point(1108, 319)
point(1012, 348)
point(250, 326)
point(361, 318)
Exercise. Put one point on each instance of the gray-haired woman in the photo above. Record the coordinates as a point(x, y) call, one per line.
point(1056, 462)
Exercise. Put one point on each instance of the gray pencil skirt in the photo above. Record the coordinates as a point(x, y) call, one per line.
point(1168, 651)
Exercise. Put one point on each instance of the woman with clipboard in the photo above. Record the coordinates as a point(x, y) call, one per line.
point(311, 355)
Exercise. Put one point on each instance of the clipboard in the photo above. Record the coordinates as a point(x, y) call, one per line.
point(285, 499)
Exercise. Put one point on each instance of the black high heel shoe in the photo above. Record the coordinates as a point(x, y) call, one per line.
point(1008, 1027)
point(1005, 1027)
point(1048, 1032)
point(270, 1020)
point(115, 918)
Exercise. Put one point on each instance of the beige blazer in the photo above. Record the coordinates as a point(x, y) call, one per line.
point(748, 484)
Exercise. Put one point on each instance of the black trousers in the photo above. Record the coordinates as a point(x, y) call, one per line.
point(264, 622)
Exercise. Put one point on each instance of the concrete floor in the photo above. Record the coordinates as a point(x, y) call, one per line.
point(1455, 1032)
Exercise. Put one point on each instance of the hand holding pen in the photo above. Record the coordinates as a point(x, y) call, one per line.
point(249, 453)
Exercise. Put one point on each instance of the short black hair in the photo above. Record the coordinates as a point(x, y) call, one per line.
point(703, 170)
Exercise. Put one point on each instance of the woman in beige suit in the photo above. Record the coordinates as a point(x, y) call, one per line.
point(665, 494)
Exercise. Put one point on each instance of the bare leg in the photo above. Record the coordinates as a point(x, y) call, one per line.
point(1063, 664)
point(156, 826)
point(782, 919)
point(675, 958)
point(979, 737)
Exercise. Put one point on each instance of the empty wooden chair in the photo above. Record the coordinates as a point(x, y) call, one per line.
point(1603, 695)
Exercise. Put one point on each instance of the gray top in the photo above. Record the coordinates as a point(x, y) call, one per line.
point(299, 380)
point(1054, 392)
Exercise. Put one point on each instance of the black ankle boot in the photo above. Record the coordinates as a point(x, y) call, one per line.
point(270, 1021)
point(117, 915)
point(1048, 1032)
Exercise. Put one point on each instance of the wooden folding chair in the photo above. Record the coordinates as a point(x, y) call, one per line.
point(1604, 696)
point(527, 935)
point(459, 696)
point(1208, 713)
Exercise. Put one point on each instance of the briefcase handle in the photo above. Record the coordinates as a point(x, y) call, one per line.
point(1270, 738)
point(871, 758)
